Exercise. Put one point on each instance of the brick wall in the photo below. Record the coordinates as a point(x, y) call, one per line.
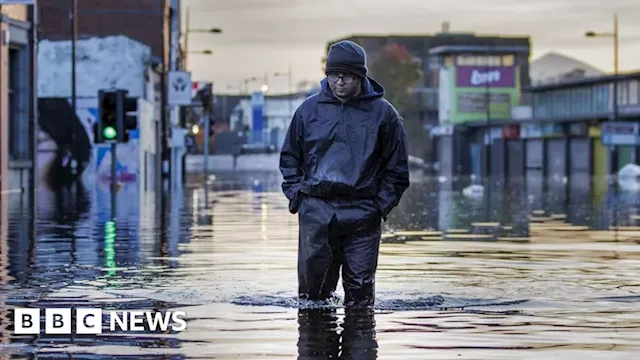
point(140, 20)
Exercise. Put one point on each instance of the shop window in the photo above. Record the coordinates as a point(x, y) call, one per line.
point(448, 61)
point(482, 60)
point(18, 102)
point(633, 92)
point(507, 60)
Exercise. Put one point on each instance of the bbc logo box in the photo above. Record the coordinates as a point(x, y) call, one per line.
point(88, 321)
point(58, 321)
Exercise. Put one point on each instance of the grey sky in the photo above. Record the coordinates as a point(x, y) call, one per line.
point(265, 36)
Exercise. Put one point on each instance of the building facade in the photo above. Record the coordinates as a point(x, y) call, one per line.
point(17, 100)
point(140, 20)
point(478, 86)
point(152, 23)
point(590, 136)
point(570, 139)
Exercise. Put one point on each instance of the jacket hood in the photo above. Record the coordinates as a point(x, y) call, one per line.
point(371, 89)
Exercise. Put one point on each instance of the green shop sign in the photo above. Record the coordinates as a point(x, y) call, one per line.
point(475, 84)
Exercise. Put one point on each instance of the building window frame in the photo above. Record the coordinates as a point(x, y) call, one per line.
point(19, 93)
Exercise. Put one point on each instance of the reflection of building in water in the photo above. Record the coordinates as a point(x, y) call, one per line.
point(16, 100)
point(4, 264)
point(319, 337)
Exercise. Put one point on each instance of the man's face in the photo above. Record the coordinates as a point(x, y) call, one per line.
point(344, 86)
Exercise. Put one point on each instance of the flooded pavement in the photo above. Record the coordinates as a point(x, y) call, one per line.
point(518, 272)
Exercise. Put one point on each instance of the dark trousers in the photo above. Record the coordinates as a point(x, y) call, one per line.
point(338, 235)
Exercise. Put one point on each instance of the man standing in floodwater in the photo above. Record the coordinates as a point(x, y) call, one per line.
point(345, 167)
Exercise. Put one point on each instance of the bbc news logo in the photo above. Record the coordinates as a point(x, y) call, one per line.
point(88, 321)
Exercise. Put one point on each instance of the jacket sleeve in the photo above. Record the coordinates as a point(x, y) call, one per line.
point(291, 161)
point(395, 165)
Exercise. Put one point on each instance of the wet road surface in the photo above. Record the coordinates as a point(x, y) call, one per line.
point(523, 273)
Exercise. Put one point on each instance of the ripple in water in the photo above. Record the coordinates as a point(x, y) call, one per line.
point(436, 302)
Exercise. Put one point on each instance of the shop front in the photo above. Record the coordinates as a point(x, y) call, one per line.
point(580, 151)
point(622, 140)
point(479, 96)
point(514, 151)
point(556, 152)
point(496, 164)
point(534, 157)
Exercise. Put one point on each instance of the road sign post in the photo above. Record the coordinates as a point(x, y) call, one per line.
point(113, 179)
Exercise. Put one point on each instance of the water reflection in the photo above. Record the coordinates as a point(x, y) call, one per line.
point(321, 336)
point(554, 253)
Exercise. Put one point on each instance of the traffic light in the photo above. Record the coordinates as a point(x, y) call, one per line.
point(111, 116)
point(130, 121)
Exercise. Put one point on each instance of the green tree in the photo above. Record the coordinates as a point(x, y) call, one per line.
point(396, 70)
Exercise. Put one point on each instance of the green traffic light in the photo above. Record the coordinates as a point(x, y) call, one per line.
point(109, 133)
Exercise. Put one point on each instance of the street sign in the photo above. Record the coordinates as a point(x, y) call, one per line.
point(179, 92)
point(16, 2)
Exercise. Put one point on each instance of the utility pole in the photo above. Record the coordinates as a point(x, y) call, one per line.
point(290, 92)
point(207, 116)
point(186, 40)
point(74, 37)
point(488, 113)
point(33, 129)
point(615, 36)
point(164, 100)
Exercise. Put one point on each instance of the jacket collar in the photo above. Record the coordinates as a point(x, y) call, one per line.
point(362, 102)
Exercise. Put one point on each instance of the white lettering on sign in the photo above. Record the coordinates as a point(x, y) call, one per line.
point(480, 78)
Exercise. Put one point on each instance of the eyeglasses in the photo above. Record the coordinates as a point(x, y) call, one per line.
point(348, 79)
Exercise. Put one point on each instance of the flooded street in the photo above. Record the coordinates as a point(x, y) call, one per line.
point(522, 272)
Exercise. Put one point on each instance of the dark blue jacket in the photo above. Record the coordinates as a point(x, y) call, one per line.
point(352, 150)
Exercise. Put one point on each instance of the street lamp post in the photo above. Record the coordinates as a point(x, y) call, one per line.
point(613, 35)
point(254, 79)
point(189, 30)
point(201, 52)
point(289, 75)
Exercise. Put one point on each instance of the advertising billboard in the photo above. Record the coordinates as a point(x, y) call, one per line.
point(475, 86)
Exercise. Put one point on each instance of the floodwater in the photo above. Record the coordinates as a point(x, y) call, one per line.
point(521, 271)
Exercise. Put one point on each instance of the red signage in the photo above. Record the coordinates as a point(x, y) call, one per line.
point(511, 132)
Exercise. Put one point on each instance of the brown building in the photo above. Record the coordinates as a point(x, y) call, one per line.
point(17, 115)
point(141, 20)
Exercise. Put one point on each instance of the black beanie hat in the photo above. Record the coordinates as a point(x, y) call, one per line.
point(348, 57)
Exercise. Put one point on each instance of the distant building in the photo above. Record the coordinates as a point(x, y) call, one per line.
point(278, 112)
point(17, 102)
point(140, 20)
point(554, 67)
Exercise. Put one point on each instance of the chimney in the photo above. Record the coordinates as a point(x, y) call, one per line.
point(445, 27)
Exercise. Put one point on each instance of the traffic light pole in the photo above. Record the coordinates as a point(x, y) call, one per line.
point(113, 180)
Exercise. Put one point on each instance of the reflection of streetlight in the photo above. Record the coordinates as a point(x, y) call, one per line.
point(189, 30)
point(614, 36)
point(264, 88)
point(195, 129)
